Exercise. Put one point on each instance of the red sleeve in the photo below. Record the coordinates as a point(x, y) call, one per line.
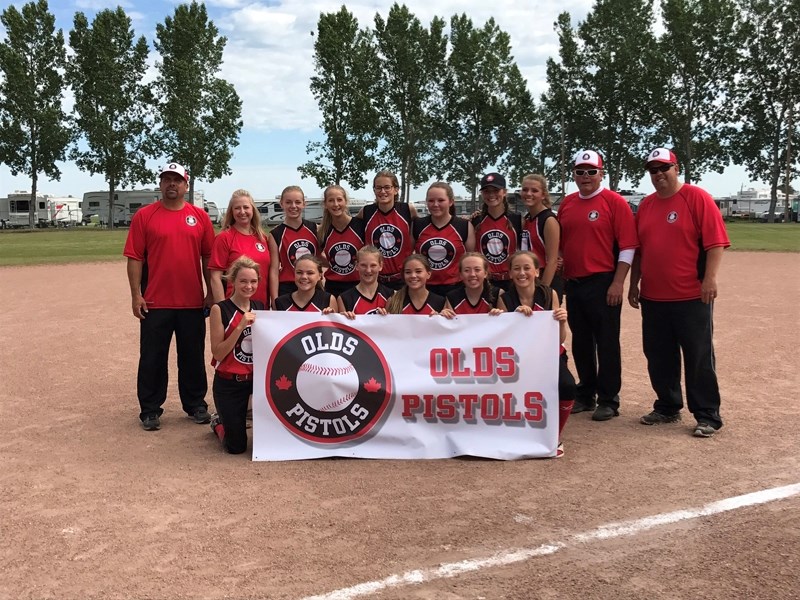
point(220, 251)
point(624, 225)
point(134, 244)
point(208, 235)
point(711, 222)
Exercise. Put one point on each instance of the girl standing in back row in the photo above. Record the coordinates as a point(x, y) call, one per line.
point(290, 240)
point(541, 231)
point(340, 238)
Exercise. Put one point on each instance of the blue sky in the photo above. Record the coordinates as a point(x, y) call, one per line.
point(269, 59)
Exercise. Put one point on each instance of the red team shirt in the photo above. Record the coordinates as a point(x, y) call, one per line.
point(319, 301)
point(231, 244)
point(341, 248)
point(462, 306)
point(443, 247)
point(292, 244)
point(170, 243)
point(497, 239)
point(589, 229)
point(533, 235)
point(433, 304)
point(239, 361)
point(391, 234)
point(671, 230)
point(358, 303)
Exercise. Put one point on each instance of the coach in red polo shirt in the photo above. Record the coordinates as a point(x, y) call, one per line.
point(682, 237)
point(168, 248)
point(598, 242)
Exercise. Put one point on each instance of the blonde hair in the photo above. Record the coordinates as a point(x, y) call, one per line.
point(293, 188)
point(443, 185)
point(370, 249)
point(395, 304)
point(540, 179)
point(243, 262)
point(327, 220)
point(255, 218)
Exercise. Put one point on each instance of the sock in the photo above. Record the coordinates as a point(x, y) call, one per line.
point(564, 408)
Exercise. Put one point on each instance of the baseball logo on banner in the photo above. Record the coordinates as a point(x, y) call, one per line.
point(328, 383)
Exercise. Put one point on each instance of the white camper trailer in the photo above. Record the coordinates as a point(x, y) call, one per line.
point(213, 212)
point(14, 210)
point(126, 203)
point(65, 212)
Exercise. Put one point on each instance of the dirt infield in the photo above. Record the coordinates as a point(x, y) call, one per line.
point(94, 507)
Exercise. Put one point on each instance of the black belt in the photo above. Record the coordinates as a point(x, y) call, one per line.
point(589, 277)
point(500, 277)
point(235, 376)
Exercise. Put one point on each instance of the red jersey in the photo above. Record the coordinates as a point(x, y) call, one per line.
point(442, 246)
point(533, 235)
point(231, 244)
point(356, 302)
point(171, 243)
point(341, 249)
point(674, 234)
point(497, 239)
point(390, 232)
point(593, 231)
point(240, 360)
point(292, 244)
point(434, 303)
point(319, 301)
point(462, 306)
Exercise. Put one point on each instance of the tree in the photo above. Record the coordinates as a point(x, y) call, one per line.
point(346, 88)
point(767, 94)
point(617, 54)
point(34, 130)
point(485, 97)
point(696, 71)
point(412, 66)
point(112, 105)
point(200, 112)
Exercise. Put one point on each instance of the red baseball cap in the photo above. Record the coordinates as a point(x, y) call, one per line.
point(661, 155)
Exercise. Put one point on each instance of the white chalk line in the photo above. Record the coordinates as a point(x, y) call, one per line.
point(603, 532)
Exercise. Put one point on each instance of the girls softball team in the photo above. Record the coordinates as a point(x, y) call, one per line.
point(387, 260)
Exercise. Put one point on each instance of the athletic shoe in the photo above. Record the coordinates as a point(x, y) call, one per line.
point(580, 407)
point(214, 422)
point(560, 450)
point(703, 429)
point(200, 416)
point(657, 418)
point(604, 413)
point(151, 423)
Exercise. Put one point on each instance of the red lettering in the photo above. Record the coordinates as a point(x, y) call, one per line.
point(510, 413)
point(506, 365)
point(484, 363)
point(469, 401)
point(490, 407)
point(534, 406)
point(429, 406)
point(458, 362)
point(446, 410)
point(411, 404)
point(439, 364)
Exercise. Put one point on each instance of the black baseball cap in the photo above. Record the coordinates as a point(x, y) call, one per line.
point(494, 180)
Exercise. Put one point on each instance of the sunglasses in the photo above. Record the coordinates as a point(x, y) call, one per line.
point(590, 172)
point(661, 169)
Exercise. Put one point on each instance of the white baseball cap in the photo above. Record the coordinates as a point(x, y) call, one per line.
point(588, 157)
point(174, 168)
point(662, 155)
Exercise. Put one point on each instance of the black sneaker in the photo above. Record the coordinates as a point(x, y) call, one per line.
point(703, 429)
point(580, 407)
point(200, 416)
point(151, 423)
point(604, 413)
point(656, 418)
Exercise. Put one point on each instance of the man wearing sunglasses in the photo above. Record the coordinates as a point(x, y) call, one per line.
point(682, 238)
point(598, 241)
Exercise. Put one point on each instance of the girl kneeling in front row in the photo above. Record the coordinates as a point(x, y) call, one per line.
point(309, 296)
point(526, 295)
point(414, 298)
point(230, 323)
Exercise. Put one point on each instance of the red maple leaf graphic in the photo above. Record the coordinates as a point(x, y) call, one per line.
point(283, 383)
point(372, 385)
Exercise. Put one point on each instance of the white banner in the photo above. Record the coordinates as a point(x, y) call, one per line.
point(400, 386)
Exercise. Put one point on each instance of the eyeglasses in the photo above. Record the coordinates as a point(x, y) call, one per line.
point(661, 169)
point(590, 172)
point(383, 188)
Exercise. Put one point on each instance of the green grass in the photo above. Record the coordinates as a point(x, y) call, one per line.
point(772, 237)
point(86, 244)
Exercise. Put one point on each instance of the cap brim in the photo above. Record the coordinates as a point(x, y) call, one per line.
point(494, 185)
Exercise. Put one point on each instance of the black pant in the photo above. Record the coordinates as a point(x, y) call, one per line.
point(566, 382)
point(595, 339)
point(156, 329)
point(230, 398)
point(667, 329)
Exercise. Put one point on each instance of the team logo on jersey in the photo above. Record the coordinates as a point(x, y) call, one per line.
point(342, 258)
point(440, 252)
point(494, 246)
point(243, 351)
point(594, 215)
point(191, 221)
point(299, 248)
point(672, 217)
point(328, 383)
point(389, 239)
point(261, 247)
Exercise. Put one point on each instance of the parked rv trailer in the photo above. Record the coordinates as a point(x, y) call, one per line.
point(213, 212)
point(4, 216)
point(18, 208)
point(126, 203)
point(65, 212)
